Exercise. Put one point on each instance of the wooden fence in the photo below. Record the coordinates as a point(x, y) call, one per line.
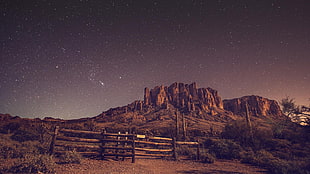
point(118, 145)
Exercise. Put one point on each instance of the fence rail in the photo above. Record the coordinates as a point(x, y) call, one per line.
point(105, 144)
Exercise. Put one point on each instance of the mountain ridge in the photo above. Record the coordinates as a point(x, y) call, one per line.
point(202, 108)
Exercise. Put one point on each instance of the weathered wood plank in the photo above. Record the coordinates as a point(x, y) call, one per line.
point(154, 155)
point(118, 148)
point(118, 135)
point(76, 139)
point(186, 143)
point(116, 140)
point(153, 150)
point(153, 143)
point(82, 153)
point(79, 146)
point(160, 138)
point(118, 154)
point(79, 131)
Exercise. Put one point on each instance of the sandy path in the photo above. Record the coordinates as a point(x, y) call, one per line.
point(154, 166)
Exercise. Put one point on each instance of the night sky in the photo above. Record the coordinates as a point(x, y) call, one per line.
point(76, 58)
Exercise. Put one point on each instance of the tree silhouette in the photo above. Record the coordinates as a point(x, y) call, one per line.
point(299, 114)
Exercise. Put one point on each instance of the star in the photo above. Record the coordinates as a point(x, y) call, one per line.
point(101, 83)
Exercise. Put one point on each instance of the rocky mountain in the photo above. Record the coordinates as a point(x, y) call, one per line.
point(201, 109)
point(185, 98)
point(258, 106)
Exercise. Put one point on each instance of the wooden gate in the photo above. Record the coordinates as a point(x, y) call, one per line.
point(118, 145)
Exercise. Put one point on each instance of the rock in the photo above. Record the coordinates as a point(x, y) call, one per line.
point(138, 105)
point(183, 96)
point(158, 95)
point(147, 96)
point(258, 106)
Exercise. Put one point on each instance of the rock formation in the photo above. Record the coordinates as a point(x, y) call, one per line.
point(183, 96)
point(161, 103)
point(258, 106)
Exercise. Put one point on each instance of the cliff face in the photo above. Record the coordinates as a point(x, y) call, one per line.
point(258, 106)
point(186, 98)
point(162, 102)
point(183, 96)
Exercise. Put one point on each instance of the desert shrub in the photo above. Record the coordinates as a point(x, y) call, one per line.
point(187, 151)
point(261, 136)
point(265, 159)
point(9, 149)
point(275, 165)
point(276, 144)
point(239, 132)
point(184, 150)
point(207, 157)
point(247, 156)
point(32, 147)
point(13, 149)
point(33, 164)
point(10, 127)
point(70, 157)
point(191, 152)
point(22, 135)
point(224, 149)
point(301, 150)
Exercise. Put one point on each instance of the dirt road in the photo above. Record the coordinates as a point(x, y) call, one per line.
point(154, 166)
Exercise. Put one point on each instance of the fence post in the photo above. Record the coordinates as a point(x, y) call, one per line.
point(184, 127)
point(198, 150)
point(125, 145)
point(117, 145)
point(103, 143)
point(174, 146)
point(52, 146)
point(176, 124)
point(133, 159)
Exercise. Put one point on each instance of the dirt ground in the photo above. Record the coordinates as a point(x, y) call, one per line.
point(154, 166)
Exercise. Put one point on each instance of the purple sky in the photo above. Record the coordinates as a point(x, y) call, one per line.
point(73, 59)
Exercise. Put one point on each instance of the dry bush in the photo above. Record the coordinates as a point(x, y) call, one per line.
point(275, 165)
point(10, 127)
point(207, 157)
point(70, 157)
point(239, 132)
point(223, 148)
point(191, 152)
point(9, 148)
point(23, 135)
point(12, 149)
point(31, 163)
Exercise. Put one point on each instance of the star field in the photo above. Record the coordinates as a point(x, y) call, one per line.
point(72, 59)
